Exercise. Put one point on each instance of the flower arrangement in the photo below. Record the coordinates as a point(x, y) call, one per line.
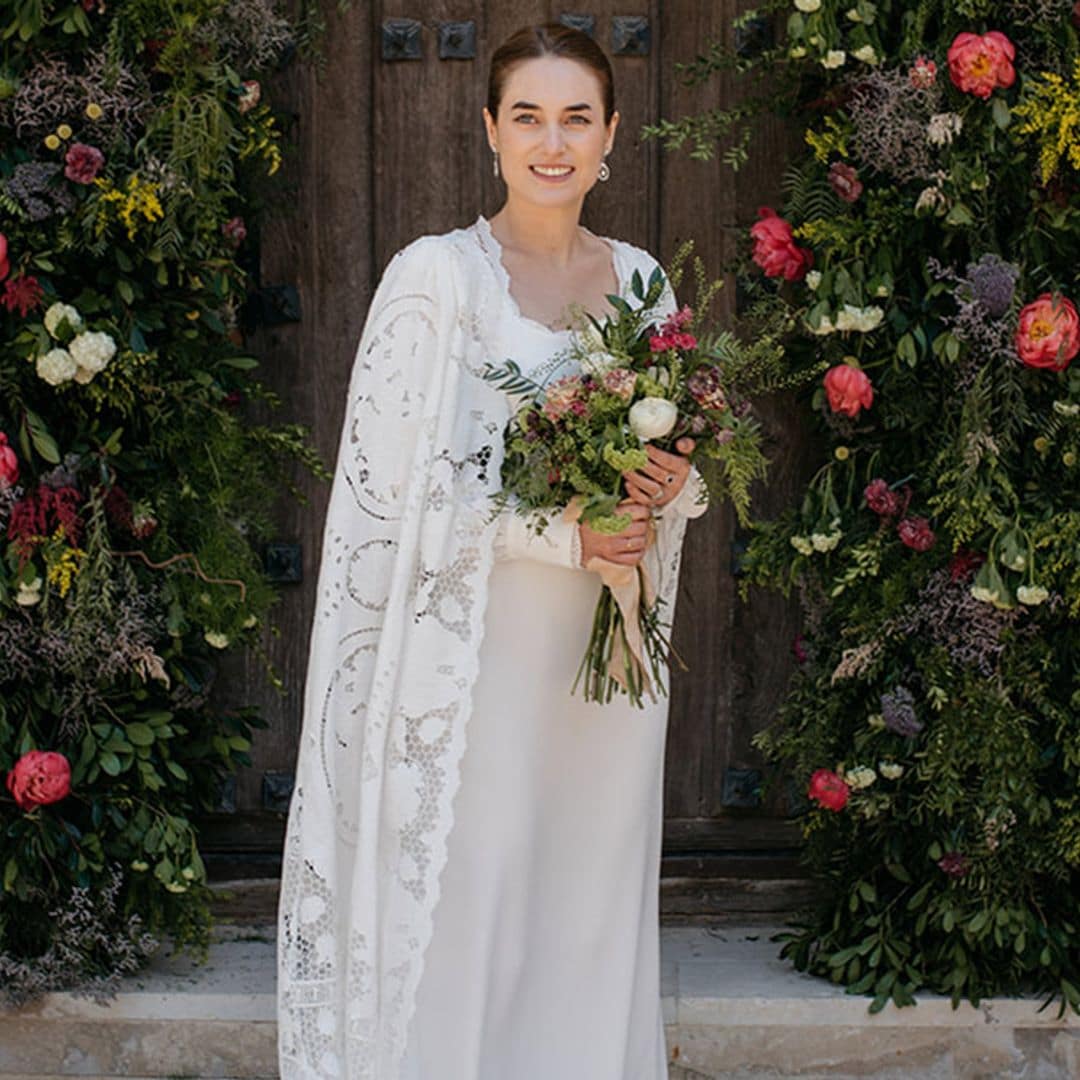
point(573, 441)
point(134, 487)
point(926, 256)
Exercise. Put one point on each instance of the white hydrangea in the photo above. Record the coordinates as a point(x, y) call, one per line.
point(862, 776)
point(834, 58)
point(57, 313)
point(92, 351)
point(1032, 595)
point(862, 319)
point(57, 366)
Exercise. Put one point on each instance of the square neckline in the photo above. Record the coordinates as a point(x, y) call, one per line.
point(494, 251)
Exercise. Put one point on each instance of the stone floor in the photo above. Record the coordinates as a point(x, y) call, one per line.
point(733, 1010)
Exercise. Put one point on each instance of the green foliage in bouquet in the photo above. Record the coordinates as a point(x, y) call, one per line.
point(927, 257)
point(137, 470)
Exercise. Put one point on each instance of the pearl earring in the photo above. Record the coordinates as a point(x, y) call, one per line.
point(603, 174)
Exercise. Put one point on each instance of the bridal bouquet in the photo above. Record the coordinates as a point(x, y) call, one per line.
point(641, 380)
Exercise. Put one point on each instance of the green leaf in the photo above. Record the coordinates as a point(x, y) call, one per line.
point(177, 770)
point(127, 293)
point(241, 363)
point(959, 215)
point(141, 734)
point(43, 442)
point(1000, 112)
point(11, 872)
point(110, 763)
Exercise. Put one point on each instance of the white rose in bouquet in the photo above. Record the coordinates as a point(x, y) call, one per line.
point(56, 366)
point(57, 313)
point(653, 417)
point(92, 351)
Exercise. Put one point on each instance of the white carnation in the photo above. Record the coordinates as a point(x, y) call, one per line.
point(56, 366)
point(57, 313)
point(652, 417)
point(92, 351)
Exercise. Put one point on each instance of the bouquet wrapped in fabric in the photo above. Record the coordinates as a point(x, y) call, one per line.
point(641, 379)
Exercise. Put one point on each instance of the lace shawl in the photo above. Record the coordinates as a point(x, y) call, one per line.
point(402, 588)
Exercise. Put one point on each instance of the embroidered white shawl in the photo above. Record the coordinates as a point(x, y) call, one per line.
point(407, 551)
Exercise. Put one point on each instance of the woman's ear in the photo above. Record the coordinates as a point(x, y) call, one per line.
point(489, 125)
point(611, 132)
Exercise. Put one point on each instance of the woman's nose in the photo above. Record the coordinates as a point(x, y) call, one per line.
point(553, 137)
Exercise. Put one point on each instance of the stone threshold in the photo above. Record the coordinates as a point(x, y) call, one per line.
point(733, 1010)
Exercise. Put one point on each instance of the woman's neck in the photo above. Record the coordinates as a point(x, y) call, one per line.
point(552, 234)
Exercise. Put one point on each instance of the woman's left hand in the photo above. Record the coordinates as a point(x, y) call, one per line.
point(663, 478)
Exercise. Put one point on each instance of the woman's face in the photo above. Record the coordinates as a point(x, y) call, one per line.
point(550, 134)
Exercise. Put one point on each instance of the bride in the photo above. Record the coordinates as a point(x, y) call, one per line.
point(469, 883)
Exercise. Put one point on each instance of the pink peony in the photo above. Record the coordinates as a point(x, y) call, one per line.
point(563, 396)
point(775, 250)
point(923, 73)
point(82, 163)
point(848, 389)
point(1048, 335)
point(881, 498)
point(9, 465)
point(979, 64)
point(39, 777)
point(844, 180)
point(915, 533)
point(828, 790)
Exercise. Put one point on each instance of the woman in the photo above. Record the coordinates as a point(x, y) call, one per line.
point(469, 887)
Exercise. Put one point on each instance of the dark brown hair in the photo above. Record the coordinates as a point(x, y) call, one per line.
point(550, 39)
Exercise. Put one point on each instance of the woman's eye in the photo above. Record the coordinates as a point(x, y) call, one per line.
point(523, 118)
point(579, 119)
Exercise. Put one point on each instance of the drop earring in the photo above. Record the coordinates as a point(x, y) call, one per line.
point(603, 174)
point(495, 163)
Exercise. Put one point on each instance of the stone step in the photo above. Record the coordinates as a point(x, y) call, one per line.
point(733, 1011)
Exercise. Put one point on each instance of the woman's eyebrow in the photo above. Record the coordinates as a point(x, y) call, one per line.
point(581, 106)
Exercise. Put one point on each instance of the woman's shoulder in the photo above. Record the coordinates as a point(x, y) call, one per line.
point(433, 252)
point(634, 257)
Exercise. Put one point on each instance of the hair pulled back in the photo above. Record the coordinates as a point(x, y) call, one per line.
point(549, 39)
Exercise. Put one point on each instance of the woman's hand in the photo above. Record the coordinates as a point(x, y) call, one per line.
point(626, 548)
point(663, 478)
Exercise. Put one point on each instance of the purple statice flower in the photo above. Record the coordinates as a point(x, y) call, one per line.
point(993, 283)
point(898, 712)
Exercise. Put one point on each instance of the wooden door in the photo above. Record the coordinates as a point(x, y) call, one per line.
point(390, 145)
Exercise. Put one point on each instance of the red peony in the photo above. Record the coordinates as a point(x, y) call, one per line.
point(979, 64)
point(849, 389)
point(775, 250)
point(5, 266)
point(1048, 335)
point(9, 465)
point(915, 532)
point(844, 180)
point(881, 498)
point(23, 293)
point(82, 163)
point(39, 777)
point(828, 789)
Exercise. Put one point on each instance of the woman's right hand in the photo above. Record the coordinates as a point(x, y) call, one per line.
point(626, 548)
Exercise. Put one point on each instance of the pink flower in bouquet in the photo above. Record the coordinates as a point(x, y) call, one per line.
point(1048, 335)
point(979, 64)
point(671, 334)
point(249, 96)
point(562, 397)
point(828, 790)
point(620, 381)
point(915, 532)
point(848, 389)
point(235, 231)
point(923, 73)
point(706, 388)
point(39, 777)
point(881, 498)
point(775, 250)
point(9, 465)
point(22, 293)
point(954, 864)
point(844, 180)
point(82, 163)
point(5, 266)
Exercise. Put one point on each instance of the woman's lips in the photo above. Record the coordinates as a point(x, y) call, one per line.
point(551, 173)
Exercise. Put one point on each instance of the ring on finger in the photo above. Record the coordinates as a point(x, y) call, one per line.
point(670, 478)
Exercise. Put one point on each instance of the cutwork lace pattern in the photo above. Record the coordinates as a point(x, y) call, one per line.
point(402, 588)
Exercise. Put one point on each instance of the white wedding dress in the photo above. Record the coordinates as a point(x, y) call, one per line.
point(543, 962)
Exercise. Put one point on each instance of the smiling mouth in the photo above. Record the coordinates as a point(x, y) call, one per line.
point(552, 172)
